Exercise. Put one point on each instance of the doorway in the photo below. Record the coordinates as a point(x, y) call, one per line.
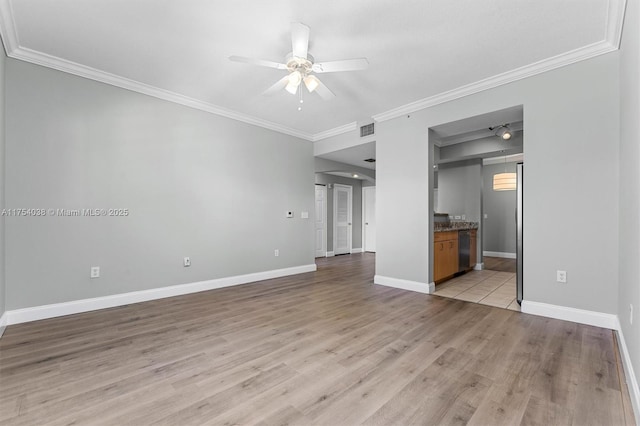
point(467, 155)
point(321, 221)
point(342, 218)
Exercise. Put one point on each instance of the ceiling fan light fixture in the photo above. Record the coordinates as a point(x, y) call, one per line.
point(294, 81)
point(311, 82)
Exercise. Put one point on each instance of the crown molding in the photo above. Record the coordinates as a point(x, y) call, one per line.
point(613, 34)
point(335, 131)
point(59, 64)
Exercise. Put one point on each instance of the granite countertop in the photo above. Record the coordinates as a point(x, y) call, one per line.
point(454, 226)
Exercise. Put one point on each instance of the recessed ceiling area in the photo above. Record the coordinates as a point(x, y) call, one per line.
point(471, 138)
point(355, 156)
point(418, 52)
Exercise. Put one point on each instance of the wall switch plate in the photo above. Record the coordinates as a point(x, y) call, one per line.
point(486, 216)
point(276, 252)
point(464, 217)
point(304, 215)
point(289, 214)
point(561, 276)
point(186, 262)
point(95, 272)
point(630, 314)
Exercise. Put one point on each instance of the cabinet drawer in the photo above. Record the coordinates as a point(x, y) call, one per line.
point(444, 236)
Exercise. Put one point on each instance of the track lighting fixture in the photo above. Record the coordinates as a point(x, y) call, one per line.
point(503, 131)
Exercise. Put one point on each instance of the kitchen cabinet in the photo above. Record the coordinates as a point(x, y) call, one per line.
point(445, 258)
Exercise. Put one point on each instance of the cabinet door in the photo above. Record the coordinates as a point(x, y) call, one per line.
point(439, 260)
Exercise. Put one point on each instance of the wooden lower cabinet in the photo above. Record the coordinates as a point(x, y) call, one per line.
point(445, 258)
point(445, 253)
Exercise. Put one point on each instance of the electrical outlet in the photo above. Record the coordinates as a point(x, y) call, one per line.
point(561, 276)
point(95, 272)
point(630, 314)
point(464, 217)
point(276, 252)
point(186, 262)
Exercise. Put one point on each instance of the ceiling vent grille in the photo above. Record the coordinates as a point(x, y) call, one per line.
point(366, 130)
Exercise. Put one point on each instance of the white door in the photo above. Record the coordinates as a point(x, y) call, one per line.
point(369, 218)
point(321, 221)
point(342, 196)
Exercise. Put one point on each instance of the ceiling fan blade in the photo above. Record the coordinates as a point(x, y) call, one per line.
point(259, 62)
point(345, 65)
point(299, 39)
point(324, 91)
point(278, 86)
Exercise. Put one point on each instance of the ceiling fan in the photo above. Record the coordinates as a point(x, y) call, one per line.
point(301, 66)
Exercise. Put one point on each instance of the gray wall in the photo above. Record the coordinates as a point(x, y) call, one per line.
point(460, 193)
point(460, 189)
point(325, 179)
point(2, 183)
point(629, 231)
point(499, 227)
point(568, 113)
point(196, 185)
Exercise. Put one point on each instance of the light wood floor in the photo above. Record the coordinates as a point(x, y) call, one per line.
point(326, 348)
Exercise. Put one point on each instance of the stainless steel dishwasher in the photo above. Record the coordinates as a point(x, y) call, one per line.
point(464, 250)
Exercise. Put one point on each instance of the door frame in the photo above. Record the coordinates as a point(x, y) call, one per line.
point(335, 215)
point(324, 212)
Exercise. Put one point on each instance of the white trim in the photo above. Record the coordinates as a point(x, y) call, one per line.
point(330, 254)
point(598, 319)
point(357, 250)
point(613, 32)
point(479, 266)
point(59, 64)
point(499, 254)
point(325, 195)
point(335, 132)
point(3, 323)
point(632, 382)
point(416, 286)
point(35, 313)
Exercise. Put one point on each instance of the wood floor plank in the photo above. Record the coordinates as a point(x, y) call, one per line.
point(321, 348)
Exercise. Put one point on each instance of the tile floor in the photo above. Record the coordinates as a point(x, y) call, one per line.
point(493, 288)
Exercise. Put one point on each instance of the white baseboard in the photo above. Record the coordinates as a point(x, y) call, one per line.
point(598, 319)
point(3, 323)
point(85, 305)
point(357, 250)
point(405, 284)
point(479, 266)
point(499, 254)
point(632, 382)
point(330, 254)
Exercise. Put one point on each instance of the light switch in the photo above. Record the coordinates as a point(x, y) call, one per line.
point(304, 215)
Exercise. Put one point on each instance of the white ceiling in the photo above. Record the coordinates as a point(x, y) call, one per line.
point(420, 52)
point(354, 155)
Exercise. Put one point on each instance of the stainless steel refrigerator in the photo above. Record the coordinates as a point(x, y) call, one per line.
point(519, 219)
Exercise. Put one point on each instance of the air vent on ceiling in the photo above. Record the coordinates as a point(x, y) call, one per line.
point(366, 130)
point(370, 160)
